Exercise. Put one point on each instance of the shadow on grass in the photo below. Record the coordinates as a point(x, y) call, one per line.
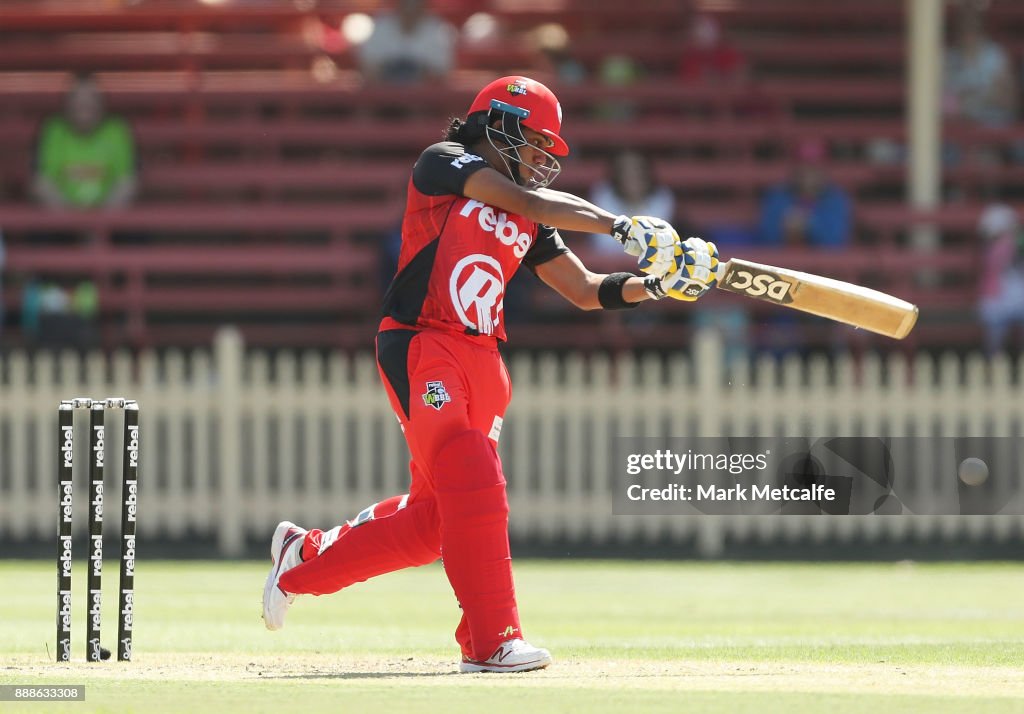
point(360, 675)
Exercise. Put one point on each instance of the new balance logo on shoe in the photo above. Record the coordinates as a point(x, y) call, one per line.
point(499, 655)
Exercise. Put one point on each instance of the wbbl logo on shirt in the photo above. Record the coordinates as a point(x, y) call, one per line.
point(436, 395)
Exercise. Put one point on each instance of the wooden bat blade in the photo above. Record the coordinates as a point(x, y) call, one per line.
point(815, 294)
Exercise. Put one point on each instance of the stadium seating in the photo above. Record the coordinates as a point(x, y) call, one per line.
point(266, 187)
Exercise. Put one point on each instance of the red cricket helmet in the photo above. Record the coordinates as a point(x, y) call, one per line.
point(538, 106)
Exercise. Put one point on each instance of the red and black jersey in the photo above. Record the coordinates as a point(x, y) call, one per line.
point(458, 254)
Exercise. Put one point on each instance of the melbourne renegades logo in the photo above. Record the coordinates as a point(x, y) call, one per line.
point(477, 288)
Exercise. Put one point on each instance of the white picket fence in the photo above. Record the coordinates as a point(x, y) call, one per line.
point(233, 441)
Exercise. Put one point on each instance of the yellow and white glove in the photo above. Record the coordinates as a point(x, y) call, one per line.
point(698, 272)
point(653, 242)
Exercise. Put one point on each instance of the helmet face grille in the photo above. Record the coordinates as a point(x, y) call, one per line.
point(507, 141)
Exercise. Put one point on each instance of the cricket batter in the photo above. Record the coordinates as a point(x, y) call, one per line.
point(478, 207)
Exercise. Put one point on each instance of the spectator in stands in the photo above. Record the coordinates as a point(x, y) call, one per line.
point(555, 59)
point(1002, 277)
point(54, 317)
point(978, 76)
point(632, 189)
point(808, 209)
point(85, 157)
point(617, 71)
point(408, 45)
point(707, 56)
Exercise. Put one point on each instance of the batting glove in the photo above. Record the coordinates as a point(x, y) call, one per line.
point(698, 272)
point(652, 241)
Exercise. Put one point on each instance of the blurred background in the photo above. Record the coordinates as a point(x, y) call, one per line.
point(200, 204)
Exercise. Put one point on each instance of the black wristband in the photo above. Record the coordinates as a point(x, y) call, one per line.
point(609, 293)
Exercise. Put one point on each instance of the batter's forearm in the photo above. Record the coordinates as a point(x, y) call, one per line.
point(568, 212)
point(634, 290)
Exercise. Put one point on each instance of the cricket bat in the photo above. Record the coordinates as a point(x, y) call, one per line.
point(837, 300)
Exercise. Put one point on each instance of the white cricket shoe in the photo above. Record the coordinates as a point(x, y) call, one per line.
point(285, 554)
point(511, 656)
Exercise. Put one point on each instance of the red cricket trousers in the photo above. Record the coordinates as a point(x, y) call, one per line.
point(450, 395)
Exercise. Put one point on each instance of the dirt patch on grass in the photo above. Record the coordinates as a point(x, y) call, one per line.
point(566, 673)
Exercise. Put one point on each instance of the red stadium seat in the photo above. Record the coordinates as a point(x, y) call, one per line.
point(260, 180)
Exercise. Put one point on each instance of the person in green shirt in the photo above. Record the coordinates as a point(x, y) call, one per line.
point(85, 157)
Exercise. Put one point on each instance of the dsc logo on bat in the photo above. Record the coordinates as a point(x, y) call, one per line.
point(760, 285)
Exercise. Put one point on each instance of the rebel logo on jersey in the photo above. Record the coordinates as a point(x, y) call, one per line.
point(477, 283)
point(465, 160)
point(458, 254)
point(477, 288)
point(498, 223)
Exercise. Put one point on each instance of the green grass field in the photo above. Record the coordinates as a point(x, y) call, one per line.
point(643, 637)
